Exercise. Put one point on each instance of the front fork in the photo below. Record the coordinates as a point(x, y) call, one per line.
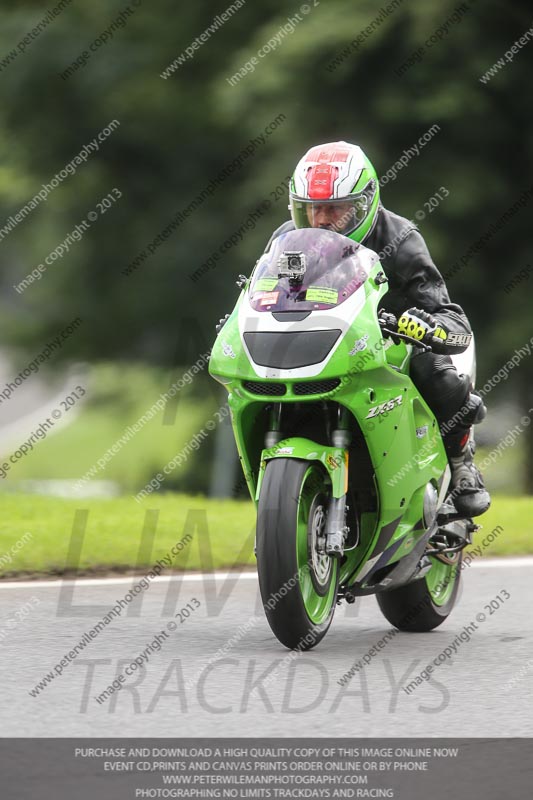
point(337, 530)
point(335, 460)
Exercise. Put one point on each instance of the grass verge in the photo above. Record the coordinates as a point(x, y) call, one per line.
point(116, 530)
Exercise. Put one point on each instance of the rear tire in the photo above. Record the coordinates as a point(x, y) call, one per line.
point(424, 604)
point(298, 584)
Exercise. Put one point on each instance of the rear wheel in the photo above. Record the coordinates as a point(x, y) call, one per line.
point(426, 603)
point(298, 581)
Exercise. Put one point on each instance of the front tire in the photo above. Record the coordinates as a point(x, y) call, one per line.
point(298, 583)
point(424, 604)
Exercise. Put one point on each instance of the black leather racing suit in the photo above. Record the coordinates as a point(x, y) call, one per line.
point(414, 281)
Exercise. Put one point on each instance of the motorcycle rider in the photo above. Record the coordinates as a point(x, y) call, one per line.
point(335, 187)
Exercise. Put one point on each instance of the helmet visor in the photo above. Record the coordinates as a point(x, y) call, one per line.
point(340, 215)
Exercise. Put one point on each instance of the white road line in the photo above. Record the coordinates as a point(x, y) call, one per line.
point(198, 576)
point(496, 563)
point(489, 563)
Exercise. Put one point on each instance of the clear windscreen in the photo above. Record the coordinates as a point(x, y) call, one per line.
point(308, 270)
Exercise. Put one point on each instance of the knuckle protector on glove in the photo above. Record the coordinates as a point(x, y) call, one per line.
point(412, 323)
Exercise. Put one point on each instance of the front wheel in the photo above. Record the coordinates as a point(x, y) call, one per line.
point(424, 604)
point(297, 580)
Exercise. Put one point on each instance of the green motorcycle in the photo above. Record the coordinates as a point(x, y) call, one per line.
point(341, 454)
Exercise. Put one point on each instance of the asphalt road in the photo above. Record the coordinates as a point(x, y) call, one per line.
point(484, 689)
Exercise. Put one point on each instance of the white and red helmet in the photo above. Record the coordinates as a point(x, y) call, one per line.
point(335, 186)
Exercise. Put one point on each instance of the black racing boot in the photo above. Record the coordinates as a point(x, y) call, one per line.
point(468, 490)
point(469, 494)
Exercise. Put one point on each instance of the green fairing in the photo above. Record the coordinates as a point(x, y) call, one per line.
point(389, 441)
point(371, 377)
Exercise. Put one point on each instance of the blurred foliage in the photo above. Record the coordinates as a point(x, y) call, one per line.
point(176, 135)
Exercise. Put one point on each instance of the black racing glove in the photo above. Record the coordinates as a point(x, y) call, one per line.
point(422, 326)
point(418, 324)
